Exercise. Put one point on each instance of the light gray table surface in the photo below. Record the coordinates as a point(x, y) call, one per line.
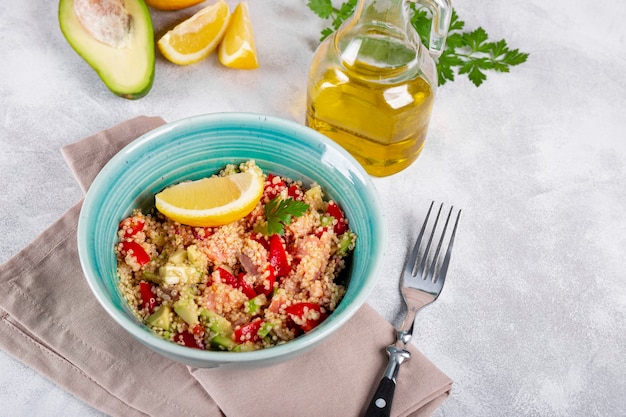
point(532, 321)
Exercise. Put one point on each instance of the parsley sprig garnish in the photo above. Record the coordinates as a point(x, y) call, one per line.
point(467, 52)
point(336, 15)
point(279, 213)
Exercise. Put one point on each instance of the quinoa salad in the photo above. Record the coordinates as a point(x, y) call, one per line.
point(241, 286)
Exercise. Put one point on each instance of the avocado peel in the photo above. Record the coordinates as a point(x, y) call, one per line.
point(116, 38)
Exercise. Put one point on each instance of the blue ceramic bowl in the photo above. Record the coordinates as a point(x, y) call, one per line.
point(198, 147)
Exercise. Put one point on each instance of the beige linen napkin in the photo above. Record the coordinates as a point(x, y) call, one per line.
point(50, 321)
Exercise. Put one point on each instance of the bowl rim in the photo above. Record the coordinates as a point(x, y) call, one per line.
point(301, 343)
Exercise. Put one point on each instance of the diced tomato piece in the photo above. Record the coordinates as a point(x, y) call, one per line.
point(188, 340)
point(248, 332)
point(227, 278)
point(273, 187)
point(131, 226)
point(148, 297)
point(278, 257)
point(268, 283)
point(342, 224)
point(301, 314)
point(198, 329)
point(245, 287)
point(136, 250)
point(295, 192)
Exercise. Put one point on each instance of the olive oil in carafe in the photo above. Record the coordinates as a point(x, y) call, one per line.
point(372, 83)
point(383, 126)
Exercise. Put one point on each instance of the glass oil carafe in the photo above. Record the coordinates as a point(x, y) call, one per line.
point(372, 83)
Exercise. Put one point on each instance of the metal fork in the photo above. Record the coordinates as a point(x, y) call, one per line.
point(422, 280)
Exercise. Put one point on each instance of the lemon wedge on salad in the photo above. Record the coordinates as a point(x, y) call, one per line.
point(213, 201)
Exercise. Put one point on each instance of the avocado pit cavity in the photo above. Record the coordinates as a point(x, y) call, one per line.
point(106, 20)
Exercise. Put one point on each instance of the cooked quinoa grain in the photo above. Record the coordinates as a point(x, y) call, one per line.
point(237, 287)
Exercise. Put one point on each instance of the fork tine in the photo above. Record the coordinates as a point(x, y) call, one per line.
point(446, 260)
point(411, 262)
point(431, 272)
point(422, 265)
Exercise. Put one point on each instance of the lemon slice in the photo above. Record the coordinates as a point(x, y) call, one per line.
point(238, 48)
point(195, 38)
point(172, 4)
point(212, 201)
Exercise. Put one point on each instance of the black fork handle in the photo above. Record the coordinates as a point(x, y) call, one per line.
point(380, 406)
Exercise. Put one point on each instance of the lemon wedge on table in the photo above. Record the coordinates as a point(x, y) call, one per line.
point(213, 201)
point(238, 48)
point(172, 4)
point(196, 37)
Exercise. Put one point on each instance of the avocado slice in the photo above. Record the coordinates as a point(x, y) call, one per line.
point(160, 318)
point(178, 258)
point(222, 342)
point(186, 307)
point(177, 274)
point(116, 38)
point(216, 323)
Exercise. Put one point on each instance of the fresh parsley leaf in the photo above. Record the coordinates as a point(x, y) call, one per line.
point(421, 22)
point(322, 8)
point(478, 55)
point(473, 68)
point(447, 61)
point(476, 40)
point(344, 12)
point(456, 25)
point(468, 52)
point(515, 57)
point(279, 213)
point(326, 10)
point(326, 33)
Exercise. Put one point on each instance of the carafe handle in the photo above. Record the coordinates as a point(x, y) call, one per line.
point(442, 13)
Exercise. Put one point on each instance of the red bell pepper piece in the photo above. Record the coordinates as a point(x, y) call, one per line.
point(306, 315)
point(148, 297)
point(245, 287)
point(342, 223)
point(188, 340)
point(239, 282)
point(136, 250)
point(131, 226)
point(248, 332)
point(227, 278)
point(278, 257)
point(267, 286)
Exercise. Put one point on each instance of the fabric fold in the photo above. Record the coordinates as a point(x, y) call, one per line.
point(50, 321)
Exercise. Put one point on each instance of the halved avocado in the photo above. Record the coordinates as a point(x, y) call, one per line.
point(116, 38)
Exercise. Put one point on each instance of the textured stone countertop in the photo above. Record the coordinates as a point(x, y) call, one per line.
point(532, 321)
